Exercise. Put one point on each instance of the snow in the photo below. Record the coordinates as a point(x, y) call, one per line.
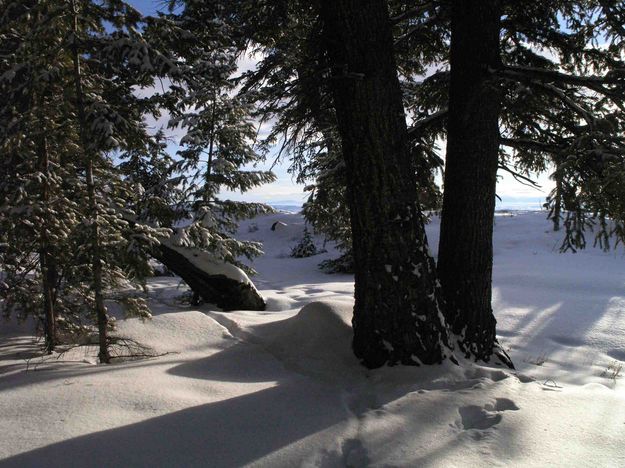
point(207, 263)
point(282, 388)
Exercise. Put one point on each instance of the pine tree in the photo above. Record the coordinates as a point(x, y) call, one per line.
point(109, 58)
point(71, 73)
point(465, 251)
point(219, 141)
point(305, 247)
point(542, 100)
point(293, 43)
point(36, 215)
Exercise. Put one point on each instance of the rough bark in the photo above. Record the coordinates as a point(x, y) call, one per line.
point(224, 292)
point(465, 251)
point(397, 313)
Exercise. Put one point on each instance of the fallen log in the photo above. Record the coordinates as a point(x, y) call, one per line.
point(219, 283)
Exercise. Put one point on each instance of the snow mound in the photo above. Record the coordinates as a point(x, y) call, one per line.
point(175, 332)
point(317, 340)
point(277, 303)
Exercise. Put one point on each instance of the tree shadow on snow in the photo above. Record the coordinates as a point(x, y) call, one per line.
point(221, 434)
point(225, 433)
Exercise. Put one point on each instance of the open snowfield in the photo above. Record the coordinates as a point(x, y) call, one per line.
point(280, 388)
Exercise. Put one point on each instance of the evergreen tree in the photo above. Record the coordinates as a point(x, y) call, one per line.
point(541, 101)
point(109, 58)
point(305, 247)
point(72, 73)
point(37, 213)
point(218, 146)
point(465, 251)
point(541, 106)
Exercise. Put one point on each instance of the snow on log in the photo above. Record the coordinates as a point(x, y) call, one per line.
point(219, 283)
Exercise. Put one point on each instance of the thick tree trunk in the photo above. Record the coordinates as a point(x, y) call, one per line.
point(226, 293)
point(465, 255)
point(96, 254)
point(397, 315)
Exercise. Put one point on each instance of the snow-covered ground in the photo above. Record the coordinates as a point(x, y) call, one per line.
point(281, 387)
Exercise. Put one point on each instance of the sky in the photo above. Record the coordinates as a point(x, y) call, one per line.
point(285, 191)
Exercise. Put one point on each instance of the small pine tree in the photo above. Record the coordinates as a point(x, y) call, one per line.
point(305, 247)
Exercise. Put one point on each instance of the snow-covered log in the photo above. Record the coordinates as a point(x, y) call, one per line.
point(219, 283)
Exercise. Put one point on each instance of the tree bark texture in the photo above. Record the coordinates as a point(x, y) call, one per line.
point(465, 256)
point(397, 313)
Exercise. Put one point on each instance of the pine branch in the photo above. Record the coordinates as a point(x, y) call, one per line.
point(412, 13)
point(593, 82)
point(612, 17)
point(522, 143)
point(559, 93)
point(519, 177)
point(432, 119)
point(415, 29)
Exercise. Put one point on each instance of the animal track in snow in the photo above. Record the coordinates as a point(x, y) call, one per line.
point(354, 454)
point(482, 418)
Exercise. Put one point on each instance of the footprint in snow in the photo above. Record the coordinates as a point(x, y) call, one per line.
point(482, 418)
point(354, 453)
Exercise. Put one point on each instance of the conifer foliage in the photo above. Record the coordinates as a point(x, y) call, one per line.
point(218, 149)
point(305, 247)
point(69, 71)
point(90, 192)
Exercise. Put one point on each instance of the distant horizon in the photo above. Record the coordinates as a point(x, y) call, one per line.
point(506, 203)
point(286, 191)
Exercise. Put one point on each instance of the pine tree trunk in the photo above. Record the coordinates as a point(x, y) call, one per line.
point(209, 165)
point(557, 207)
point(96, 265)
point(465, 255)
point(46, 259)
point(397, 313)
point(96, 254)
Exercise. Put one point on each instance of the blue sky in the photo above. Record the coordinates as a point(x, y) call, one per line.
point(148, 7)
point(286, 191)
